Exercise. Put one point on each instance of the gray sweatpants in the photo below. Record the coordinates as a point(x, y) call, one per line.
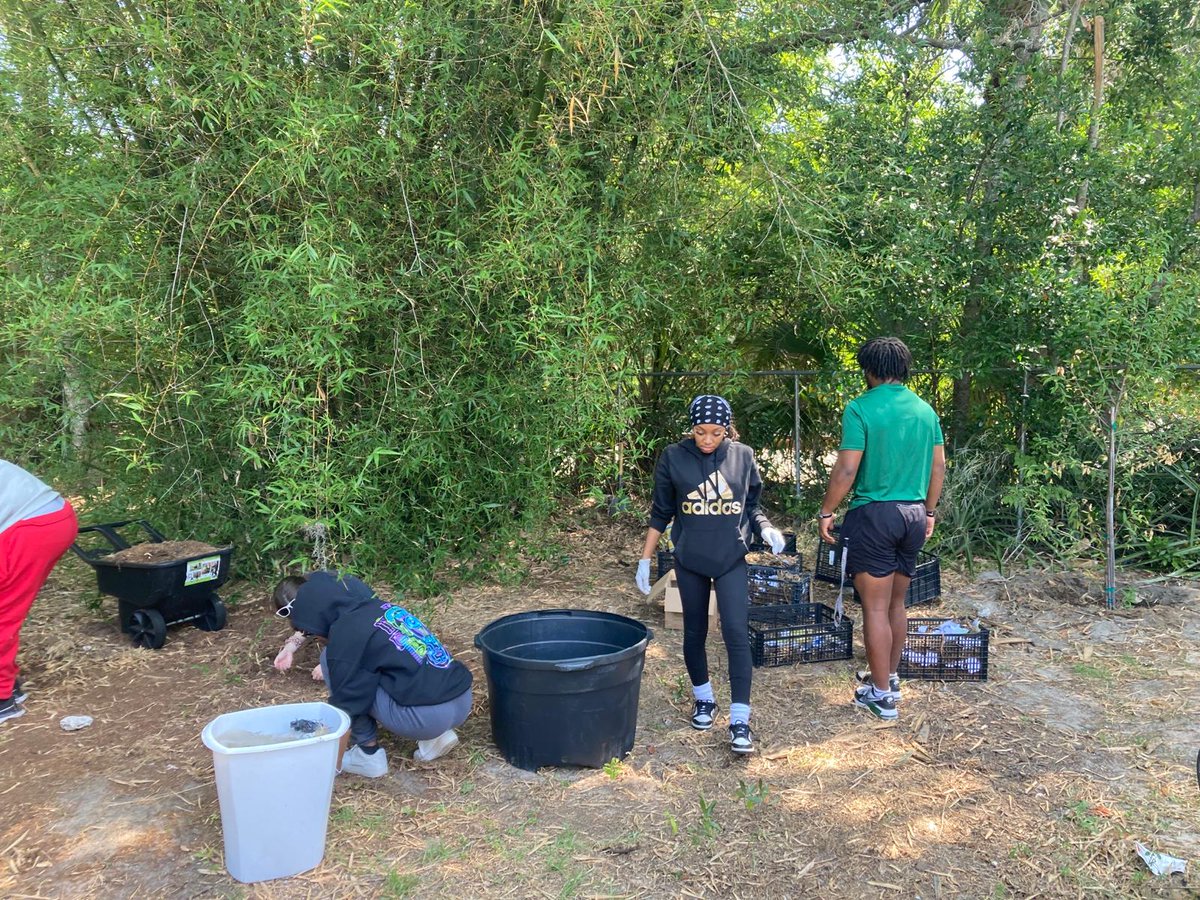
point(414, 723)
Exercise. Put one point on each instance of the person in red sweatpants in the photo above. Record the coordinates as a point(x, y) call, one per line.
point(36, 527)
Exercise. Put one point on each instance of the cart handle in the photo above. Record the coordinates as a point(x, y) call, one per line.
point(109, 532)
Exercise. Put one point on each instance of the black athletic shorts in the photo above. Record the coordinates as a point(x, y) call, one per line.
point(883, 537)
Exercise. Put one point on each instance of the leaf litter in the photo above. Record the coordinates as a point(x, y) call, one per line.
point(981, 789)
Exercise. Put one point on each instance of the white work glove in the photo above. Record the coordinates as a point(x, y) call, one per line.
point(774, 537)
point(643, 576)
point(317, 674)
point(283, 661)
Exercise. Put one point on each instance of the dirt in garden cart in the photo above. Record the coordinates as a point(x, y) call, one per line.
point(1038, 781)
point(160, 551)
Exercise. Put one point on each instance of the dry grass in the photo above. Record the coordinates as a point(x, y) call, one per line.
point(1032, 784)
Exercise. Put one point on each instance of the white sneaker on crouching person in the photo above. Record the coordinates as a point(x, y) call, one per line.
point(428, 751)
point(357, 761)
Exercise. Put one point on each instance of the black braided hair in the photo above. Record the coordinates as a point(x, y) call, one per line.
point(887, 358)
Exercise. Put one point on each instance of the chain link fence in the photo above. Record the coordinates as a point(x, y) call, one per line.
point(1008, 486)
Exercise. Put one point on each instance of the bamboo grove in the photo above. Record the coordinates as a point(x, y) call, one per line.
point(395, 266)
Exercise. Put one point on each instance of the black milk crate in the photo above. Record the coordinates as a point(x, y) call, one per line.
point(933, 656)
point(827, 564)
point(798, 633)
point(790, 563)
point(926, 585)
point(773, 585)
point(666, 562)
point(789, 544)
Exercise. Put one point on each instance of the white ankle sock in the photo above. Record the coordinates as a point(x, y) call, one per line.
point(703, 692)
point(739, 712)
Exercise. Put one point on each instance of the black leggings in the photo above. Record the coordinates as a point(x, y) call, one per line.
point(733, 603)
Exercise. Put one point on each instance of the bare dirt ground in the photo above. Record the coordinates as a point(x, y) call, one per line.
point(1035, 783)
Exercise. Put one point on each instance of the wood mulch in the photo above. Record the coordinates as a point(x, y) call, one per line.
point(159, 552)
point(1034, 783)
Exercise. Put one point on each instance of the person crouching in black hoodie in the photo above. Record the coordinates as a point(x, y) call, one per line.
point(709, 485)
point(382, 666)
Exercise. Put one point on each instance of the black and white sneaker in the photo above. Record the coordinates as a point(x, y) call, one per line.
point(880, 705)
point(741, 738)
point(9, 709)
point(864, 677)
point(703, 714)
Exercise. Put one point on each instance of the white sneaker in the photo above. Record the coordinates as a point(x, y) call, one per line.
point(368, 765)
point(428, 751)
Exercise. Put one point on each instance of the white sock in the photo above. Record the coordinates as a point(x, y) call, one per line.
point(739, 712)
point(703, 692)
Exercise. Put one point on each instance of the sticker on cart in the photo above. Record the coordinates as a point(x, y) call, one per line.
point(202, 570)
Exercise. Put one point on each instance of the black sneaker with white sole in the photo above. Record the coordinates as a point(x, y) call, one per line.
point(703, 714)
point(864, 677)
point(10, 709)
point(20, 695)
point(880, 705)
point(741, 738)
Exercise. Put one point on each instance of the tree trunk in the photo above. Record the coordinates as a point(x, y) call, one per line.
point(1081, 199)
point(76, 404)
point(1031, 16)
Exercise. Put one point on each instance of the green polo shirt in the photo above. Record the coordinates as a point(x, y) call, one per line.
point(896, 431)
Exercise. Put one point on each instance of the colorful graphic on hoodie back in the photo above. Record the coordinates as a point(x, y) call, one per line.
point(408, 633)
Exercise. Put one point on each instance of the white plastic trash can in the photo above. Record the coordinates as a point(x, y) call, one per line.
point(274, 795)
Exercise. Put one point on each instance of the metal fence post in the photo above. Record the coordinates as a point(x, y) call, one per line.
point(796, 428)
point(1021, 431)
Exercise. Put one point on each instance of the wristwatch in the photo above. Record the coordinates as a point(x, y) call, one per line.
point(931, 513)
point(822, 515)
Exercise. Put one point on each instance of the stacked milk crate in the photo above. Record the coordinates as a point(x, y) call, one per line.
point(786, 627)
point(935, 649)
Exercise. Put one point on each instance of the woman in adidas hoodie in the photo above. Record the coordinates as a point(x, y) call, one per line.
point(709, 485)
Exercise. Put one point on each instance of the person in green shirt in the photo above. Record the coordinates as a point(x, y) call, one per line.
point(891, 462)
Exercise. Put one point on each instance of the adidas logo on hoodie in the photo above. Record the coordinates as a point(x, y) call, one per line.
point(712, 497)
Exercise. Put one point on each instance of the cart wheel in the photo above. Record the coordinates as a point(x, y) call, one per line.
point(148, 628)
point(213, 617)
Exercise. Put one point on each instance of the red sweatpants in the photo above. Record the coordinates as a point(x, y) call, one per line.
point(28, 551)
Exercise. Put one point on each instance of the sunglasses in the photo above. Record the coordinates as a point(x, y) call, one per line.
point(285, 612)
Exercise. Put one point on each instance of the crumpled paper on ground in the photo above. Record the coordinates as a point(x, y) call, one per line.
point(74, 723)
point(1160, 863)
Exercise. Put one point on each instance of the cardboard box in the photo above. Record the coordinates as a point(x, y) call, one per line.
point(673, 606)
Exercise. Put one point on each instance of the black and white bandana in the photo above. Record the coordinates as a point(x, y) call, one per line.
point(709, 409)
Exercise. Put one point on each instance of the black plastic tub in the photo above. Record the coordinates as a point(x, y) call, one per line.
point(563, 685)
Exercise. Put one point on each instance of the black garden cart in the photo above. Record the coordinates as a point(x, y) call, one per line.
point(152, 595)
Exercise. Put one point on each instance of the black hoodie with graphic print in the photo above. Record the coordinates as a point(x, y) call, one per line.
point(374, 644)
point(713, 499)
